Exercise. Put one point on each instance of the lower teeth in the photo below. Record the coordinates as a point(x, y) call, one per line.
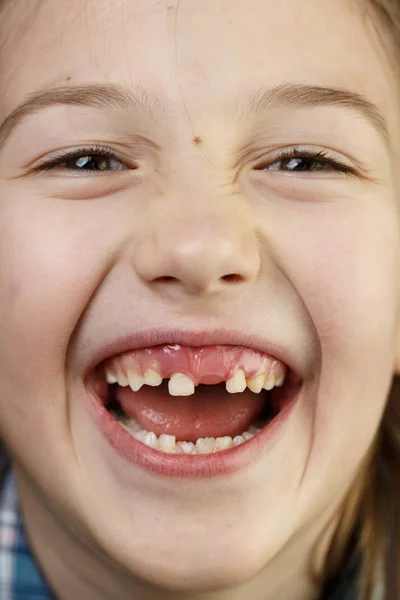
point(168, 443)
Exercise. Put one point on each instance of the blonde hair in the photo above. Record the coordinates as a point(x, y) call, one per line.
point(369, 526)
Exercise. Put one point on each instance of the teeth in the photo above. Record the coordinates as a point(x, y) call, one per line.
point(256, 384)
point(180, 385)
point(274, 381)
point(237, 383)
point(167, 442)
point(136, 381)
point(205, 445)
point(131, 425)
point(280, 379)
point(254, 430)
point(269, 383)
point(187, 447)
point(239, 439)
point(110, 376)
point(152, 378)
point(122, 380)
point(223, 443)
point(140, 435)
point(151, 440)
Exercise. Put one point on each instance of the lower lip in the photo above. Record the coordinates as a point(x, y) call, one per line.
point(190, 466)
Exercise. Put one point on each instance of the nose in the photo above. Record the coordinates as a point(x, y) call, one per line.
point(201, 253)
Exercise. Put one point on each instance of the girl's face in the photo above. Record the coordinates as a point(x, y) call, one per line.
point(197, 102)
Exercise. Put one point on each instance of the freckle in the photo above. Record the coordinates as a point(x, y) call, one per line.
point(197, 140)
point(230, 22)
point(68, 78)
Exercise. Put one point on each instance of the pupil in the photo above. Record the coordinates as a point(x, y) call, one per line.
point(303, 164)
point(299, 164)
point(89, 163)
point(82, 162)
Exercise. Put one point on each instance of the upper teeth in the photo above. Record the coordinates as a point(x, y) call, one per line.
point(152, 378)
point(135, 380)
point(256, 384)
point(182, 385)
point(237, 383)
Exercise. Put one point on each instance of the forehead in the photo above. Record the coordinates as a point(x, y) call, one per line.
point(196, 56)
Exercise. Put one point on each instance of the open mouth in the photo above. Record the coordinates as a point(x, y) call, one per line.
point(203, 400)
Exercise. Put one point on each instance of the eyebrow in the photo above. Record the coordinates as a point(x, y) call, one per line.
point(102, 96)
point(105, 95)
point(308, 96)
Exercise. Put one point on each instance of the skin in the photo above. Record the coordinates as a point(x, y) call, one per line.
point(317, 255)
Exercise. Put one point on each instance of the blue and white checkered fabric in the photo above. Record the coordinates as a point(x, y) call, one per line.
point(20, 578)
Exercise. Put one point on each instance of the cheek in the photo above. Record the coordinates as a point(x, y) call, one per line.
point(353, 285)
point(344, 264)
point(343, 259)
point(51, 260)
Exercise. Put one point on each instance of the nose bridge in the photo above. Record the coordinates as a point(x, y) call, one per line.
point(201, 244)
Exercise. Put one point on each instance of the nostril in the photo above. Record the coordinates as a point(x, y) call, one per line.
point(232, 278)
point(165, 278)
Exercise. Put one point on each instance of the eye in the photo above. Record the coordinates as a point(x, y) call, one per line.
point(296, 160)
point(95, 159)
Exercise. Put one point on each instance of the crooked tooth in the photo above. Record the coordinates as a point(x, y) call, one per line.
point(110, 376)
point(205, 445)
point(152, 378)
point(256, 384)
point(237, 383)
point(223, 443)
point(136, 381)
point(180, 385)
point(187, 447)
point(247, 436)
point(167, 442)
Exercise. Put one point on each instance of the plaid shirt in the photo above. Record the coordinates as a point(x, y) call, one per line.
point(20, 578)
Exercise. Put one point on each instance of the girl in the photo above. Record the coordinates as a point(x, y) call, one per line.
point(200, 299)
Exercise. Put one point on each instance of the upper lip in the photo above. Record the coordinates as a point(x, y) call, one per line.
point(159, 337)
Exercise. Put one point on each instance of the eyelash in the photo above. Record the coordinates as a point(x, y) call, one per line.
point(322, 157)
point(91, 151)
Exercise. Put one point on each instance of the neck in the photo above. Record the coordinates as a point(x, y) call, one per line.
point(78, 569)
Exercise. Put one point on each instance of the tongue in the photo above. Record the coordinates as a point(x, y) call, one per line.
point(210, 412)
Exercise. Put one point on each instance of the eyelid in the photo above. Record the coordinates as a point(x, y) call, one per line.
point(324, 155)
point(53, 161)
